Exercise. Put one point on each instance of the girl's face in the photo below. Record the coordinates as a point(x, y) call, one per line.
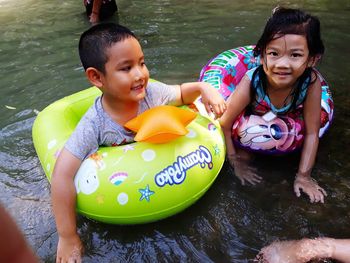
point(126, 75)
point(285, 59)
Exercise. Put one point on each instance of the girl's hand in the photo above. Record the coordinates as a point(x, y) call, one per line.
point(310, 187)
point(243, 170)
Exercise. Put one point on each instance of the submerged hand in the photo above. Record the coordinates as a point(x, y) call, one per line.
point(69, 250)
point(310, 187)
point(243, 170)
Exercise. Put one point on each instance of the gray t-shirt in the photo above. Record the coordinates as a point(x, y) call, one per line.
point(97, 128)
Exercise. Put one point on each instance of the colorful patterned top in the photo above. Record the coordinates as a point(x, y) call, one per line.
point(262, 103)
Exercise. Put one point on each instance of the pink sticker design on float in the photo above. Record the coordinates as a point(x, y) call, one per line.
point(211, 127)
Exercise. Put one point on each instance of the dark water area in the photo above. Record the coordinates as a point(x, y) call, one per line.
point(230, 223)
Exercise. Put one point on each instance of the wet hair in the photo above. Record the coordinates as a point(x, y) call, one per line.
point(95, 41)
point(290, 21)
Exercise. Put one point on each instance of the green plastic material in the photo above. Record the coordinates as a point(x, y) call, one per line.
point(138, 182)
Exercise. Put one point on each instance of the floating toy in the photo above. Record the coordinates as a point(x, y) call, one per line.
point(269, 133)
point(139, 182)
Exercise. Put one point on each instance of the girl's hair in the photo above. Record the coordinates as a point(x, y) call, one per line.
point(290, 21)
point(95, 41)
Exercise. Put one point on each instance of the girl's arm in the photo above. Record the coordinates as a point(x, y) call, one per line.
point(312, 113)
point(238, 158)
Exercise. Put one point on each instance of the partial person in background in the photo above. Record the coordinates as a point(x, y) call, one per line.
point(305, 250)
point(13, 246)
point(98, 10)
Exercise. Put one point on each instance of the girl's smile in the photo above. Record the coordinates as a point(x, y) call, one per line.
point(285, 59)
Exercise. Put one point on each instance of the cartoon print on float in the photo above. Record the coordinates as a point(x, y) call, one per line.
point(268, 133)
point(146, 193)
point(147, 155)
point(86, 179)
point(118, 178)
point(327, 107)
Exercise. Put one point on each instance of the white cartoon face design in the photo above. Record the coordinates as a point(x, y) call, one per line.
point(257, 133)
point(86, 179)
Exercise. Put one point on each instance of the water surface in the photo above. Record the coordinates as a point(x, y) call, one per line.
point(39, 64)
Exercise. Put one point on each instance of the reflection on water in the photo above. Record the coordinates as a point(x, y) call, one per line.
point(230, 223)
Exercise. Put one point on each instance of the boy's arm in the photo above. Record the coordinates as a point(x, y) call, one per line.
point(236, 103)
point(63, 195)
point(211, 98)
point(312, 113)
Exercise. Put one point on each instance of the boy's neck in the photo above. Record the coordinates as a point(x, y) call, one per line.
point(120, 112)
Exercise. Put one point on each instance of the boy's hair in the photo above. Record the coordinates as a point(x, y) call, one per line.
point(95, 41)
point(292, 21)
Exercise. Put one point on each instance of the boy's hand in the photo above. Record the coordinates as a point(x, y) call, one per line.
point(212, 100)
point(69, 250)
point(310, 187)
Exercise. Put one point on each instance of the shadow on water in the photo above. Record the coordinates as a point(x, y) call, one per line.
point(230, 223)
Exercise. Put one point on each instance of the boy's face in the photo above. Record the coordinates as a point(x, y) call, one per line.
point(126, 75)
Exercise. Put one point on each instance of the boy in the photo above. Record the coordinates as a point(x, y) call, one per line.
point(114, 62)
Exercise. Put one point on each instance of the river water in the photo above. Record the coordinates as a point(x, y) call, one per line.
point(39, 64)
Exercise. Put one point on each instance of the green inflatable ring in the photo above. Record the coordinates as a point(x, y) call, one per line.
point(138, 182)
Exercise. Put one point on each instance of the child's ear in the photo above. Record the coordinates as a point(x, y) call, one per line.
point(261, 60)
point(94, 76)
point(313, 61)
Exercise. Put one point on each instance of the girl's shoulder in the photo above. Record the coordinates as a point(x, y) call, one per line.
point(314, 75)
point(315, 80)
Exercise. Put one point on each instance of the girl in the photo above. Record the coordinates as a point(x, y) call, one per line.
point(289, 48)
